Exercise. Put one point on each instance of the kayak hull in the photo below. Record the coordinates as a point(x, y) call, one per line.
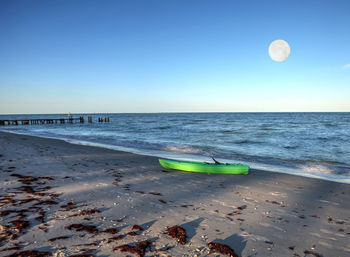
point(202, 167)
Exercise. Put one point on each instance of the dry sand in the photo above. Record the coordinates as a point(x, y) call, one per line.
point(69, 200)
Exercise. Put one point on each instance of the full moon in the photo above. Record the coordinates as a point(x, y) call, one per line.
point(279, 50)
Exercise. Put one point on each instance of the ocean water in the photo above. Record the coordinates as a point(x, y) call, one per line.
point(305, 144)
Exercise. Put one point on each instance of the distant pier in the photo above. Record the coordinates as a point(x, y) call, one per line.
point(68, 120)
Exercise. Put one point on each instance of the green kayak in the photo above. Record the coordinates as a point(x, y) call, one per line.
point(225, 168)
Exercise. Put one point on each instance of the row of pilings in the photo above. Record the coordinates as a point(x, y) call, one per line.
point(69, 120)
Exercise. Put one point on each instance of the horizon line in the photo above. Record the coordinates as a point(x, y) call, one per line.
point(86, 113)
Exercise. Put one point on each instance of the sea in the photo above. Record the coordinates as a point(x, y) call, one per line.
point(304, 144)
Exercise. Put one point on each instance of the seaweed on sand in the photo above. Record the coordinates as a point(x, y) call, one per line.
point(139, 249)
point(81, 227)
point(221, 248)
point(178, 233)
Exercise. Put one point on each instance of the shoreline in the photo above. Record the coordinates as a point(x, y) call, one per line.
point(260, 214)
point(193, 157)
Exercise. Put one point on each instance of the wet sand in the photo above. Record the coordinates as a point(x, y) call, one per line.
point(60, 199)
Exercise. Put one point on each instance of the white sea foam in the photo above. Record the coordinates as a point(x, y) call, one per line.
point(316, 168)
point(182, 149)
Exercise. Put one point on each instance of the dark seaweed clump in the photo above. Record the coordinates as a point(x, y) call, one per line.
point(137, 227)
point(139, 249)
point(111, 231)
point(221, 248)
point(178, 233)
point(81, 227)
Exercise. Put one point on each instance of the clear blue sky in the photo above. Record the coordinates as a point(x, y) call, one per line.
point(167, 56)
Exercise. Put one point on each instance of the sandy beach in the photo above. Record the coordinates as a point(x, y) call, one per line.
point(60, 199)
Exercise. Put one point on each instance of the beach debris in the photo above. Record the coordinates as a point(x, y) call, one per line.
point(155, 193)
point(30, 253)
point(234, 213)
point(186, 205)
point(81, 227)
point(178, 233)
point(291, 248)
point(139, 249)
point(222, 248)
point(229, 218)
point(58, 238)
point(86, 212)
point(274, 202)
point(307, 252)
point(69, 206)
point(110, 231)
point(136, 227)
point(340, 222)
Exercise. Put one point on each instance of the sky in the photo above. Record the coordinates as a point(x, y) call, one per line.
point(84, 56)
